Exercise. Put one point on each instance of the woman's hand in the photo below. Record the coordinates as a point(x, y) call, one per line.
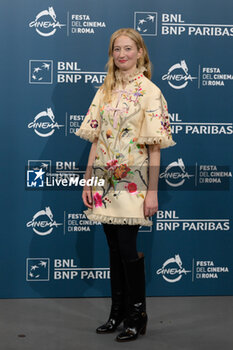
point(150, 203)
point(87, 191)
point(87, 197)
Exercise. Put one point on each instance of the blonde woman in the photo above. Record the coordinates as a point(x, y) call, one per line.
point(128, 124)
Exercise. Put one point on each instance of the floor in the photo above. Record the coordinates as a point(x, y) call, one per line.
point(175, 323)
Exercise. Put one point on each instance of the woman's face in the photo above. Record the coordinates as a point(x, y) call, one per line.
point(125, 54)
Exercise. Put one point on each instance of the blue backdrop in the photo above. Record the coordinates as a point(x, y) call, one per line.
point(52, 59)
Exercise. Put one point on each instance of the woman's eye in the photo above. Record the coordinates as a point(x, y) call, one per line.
point(128, 48)
point(116, 49)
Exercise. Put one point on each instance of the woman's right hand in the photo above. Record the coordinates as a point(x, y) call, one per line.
point(87, 197)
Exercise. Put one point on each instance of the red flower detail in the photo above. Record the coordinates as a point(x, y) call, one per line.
point(132, 187)
point(112, 164)
point(97, 200)
point(94, 124)
point(121, 171)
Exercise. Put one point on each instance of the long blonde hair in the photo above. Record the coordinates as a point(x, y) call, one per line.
point(143, 61)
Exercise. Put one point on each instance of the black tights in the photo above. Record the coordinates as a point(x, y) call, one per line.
point(122, 239)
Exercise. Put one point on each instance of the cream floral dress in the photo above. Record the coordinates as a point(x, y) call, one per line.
point(137, 116)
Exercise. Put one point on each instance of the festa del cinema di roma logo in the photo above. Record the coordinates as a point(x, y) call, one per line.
point(178, 76)
point(43, 222)
point(172, 269)
point(175, 173)
point(44, 123)
point(46, 23)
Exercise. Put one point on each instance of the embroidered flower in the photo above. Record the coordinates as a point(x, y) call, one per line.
point(138, 93)
point(101, 111)
point(97, 200)
point(108, 133)
point(94, 123)
point(165, 126)
point(125, 132)
point(112, 164)
point(140, 145)
point(119, 155)
point(121, 171)
point(132, 187)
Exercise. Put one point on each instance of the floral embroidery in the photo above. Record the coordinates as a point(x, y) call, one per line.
point(133, 140)
point(121, 171)
point(153, 115)
point(97, 200)
point(94, 123)
point(164, 121)
point(138, 92)
point(140, 146)
point(108, 133)
point(166, 127)
point(102, 110)
point(112, 164)
point(124, 132)
point(132, 187)
point(119, 155)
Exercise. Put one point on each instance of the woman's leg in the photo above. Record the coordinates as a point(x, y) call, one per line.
point(127, 241)
point(117, 312)
point(134, 270)
point(116, 265)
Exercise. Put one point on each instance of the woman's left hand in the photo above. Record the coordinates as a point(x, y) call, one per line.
point(150, 203)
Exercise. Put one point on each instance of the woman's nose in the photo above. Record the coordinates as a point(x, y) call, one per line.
point(122, 53)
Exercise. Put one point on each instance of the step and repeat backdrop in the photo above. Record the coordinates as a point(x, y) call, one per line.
point(53, 59)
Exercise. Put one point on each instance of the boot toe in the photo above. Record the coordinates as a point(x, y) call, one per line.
point(109, 327)
point(127, 335)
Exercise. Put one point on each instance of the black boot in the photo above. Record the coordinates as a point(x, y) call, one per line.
point(117, 313)
point(136, 320)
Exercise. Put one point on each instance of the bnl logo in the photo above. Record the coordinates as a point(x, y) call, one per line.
point(37, 269)
point(35, 178)
point(40, 71)
point(146, 23)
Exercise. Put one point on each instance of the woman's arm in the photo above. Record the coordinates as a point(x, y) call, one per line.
point(151, 200)
point(87, 193)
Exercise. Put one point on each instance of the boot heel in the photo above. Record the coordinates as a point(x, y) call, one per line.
point(143, 331)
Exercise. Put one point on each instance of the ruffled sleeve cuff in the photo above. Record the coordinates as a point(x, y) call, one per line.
point(88, 135)
point(162, 141)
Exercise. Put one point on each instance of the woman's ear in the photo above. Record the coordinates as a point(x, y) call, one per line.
point(140, 52)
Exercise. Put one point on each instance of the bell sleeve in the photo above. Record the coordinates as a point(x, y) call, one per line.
point(90, 127)
point(156, 128)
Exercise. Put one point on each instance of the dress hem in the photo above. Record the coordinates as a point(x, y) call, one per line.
point(117, 220)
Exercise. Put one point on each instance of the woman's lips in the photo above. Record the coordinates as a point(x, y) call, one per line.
point(122, 61)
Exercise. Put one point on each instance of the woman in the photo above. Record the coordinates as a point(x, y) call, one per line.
point(127, 124)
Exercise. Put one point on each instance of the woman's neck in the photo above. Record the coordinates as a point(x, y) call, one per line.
point(125, 77)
